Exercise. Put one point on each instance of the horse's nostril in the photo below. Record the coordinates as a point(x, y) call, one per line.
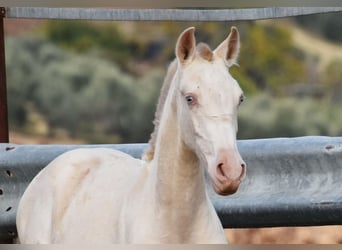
point(220, 170)
point(243, 172)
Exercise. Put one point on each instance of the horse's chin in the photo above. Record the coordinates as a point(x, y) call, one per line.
point(225, 188)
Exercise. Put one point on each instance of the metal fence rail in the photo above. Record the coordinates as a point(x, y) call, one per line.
point(164, 14)
point(290, 181)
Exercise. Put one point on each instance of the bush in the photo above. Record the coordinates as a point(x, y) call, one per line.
point(332, 80)
point(104, 39)
point(269, 59)
point(94, 99)
point(89, 97)
point(264, 117)
point(327, 25)
point(268, 56)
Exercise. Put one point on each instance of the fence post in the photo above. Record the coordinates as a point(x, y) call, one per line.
point(3, 89)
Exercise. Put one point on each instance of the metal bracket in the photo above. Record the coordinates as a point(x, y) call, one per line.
point(2, 12)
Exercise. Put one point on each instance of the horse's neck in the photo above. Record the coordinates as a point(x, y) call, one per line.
point(177, 179)
point(177, 171)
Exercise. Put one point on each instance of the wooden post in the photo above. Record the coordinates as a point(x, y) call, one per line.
point(3, 89)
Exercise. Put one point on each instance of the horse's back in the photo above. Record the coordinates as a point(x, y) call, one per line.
point(89, 183)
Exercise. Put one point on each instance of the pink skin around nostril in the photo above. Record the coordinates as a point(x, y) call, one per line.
point(220, 173)
point(228, 167)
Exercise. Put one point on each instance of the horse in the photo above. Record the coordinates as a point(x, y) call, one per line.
point(104, 195)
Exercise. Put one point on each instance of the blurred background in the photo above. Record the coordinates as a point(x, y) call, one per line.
point(76, 82)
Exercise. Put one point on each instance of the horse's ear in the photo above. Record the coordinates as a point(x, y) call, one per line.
point(185, 48)
point(229, 48)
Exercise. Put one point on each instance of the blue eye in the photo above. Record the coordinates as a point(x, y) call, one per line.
point(189, 99)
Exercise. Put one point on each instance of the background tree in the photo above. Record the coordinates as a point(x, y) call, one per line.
point(99, 82)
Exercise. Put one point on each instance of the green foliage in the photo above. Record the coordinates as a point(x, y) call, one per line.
point(82, 37)
point(269, 58)
point(97, 100)
point(333, 73)
point(332, 80)
point(89, 97)
point(24, 62)
point(328, 25)
point(264, 116)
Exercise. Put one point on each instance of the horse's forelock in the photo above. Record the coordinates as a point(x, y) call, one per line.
point(205, 52)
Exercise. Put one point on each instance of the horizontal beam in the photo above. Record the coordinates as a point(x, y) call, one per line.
point(164, 14)
point(129, 4)
point(289, 182)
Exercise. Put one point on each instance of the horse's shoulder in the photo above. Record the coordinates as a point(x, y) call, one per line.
point(74, 167)
point(87, 159)
point(67, 176)
point(98, 154)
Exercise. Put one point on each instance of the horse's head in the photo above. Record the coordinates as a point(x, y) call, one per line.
point(208, 100)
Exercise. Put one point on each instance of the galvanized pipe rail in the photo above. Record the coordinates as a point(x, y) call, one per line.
point(164, 14)
point(290, 181)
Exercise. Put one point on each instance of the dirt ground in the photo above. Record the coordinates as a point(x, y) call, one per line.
point(286, 235)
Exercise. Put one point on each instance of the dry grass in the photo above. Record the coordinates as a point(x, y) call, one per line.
point(286, 235)
point(324, 50)
point(312, 44)
point(20, 138)
point(15, 27)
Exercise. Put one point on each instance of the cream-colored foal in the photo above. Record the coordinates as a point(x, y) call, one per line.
point(103, 195)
